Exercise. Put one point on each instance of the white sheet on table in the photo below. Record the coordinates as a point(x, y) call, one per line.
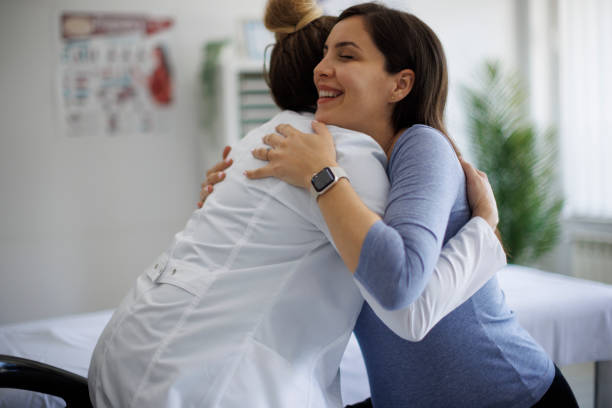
point(571, 318)
point(65, 342)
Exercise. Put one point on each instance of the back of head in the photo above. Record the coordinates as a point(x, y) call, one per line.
point(409, 43)
point(300, 31)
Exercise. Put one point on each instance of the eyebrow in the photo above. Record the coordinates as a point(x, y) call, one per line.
point(346, 44)
point(343, 44)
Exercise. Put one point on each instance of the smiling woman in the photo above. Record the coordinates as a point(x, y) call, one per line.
point(384, 73)
point(352, 67)
point(384, 56)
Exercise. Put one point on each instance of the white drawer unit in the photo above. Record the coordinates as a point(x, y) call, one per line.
point(243, 95)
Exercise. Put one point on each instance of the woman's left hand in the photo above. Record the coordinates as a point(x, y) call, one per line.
point(480, 194)
point(294, 156)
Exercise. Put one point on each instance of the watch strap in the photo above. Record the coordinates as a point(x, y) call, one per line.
point(338, 173)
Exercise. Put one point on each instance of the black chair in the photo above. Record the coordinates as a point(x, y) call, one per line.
point(21, 373)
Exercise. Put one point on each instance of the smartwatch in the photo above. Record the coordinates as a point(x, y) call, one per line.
point(325, 179)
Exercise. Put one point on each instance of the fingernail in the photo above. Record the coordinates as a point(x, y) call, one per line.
point(245, 173)
point(228, 161)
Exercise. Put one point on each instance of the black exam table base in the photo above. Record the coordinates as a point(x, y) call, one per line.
point(21, 373)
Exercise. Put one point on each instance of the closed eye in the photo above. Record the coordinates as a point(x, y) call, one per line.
point(348, 57)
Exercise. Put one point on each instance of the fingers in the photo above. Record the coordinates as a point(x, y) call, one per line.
point(213, 178)
point(320, 128)
point(207, 185)
point(480, 194)
point(204, 193)
point(214, 175)
point(469, 169)
point(288, 130)
point(273, 140)
point(262, 172)
point(226, 151)
point(222, 165)
point(263, 153)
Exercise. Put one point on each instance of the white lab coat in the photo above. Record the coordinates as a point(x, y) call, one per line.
point(251, 305)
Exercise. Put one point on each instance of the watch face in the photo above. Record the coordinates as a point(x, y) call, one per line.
point(322, 179)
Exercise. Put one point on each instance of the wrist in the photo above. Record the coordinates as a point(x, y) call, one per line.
point(325, 179)
point(314, 170)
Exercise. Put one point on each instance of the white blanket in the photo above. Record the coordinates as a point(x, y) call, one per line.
point(571, 318)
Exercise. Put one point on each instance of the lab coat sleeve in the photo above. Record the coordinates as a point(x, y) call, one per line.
point(466, 263)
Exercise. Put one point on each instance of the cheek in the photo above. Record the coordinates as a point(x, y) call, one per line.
point(368, 96)
point(367, 86)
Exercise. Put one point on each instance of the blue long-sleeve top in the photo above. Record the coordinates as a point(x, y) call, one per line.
point(425, 180)
point(476, 356)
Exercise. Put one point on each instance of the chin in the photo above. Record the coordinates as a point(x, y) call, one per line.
point(328, 118)
point(320, 116)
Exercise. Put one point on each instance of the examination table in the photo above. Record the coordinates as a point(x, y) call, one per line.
point(571, 318)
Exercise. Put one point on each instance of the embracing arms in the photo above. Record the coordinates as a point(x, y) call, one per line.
point(466, 263)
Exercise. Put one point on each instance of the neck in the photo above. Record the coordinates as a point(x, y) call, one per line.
point(384, 135)
point(394, 139)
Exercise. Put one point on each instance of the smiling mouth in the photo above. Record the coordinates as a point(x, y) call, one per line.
point(327, 95)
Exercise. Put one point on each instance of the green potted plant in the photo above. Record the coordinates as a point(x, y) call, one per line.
point(519, 161)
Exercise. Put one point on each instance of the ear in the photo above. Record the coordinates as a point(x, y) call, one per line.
point(404, 80)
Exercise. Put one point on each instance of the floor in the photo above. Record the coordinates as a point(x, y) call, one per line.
point(581, 377)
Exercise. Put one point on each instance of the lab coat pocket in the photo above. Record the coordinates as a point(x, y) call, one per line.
point(192, 279)
point(144, 283)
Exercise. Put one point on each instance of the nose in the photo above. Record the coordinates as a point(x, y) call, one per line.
point(323, 69)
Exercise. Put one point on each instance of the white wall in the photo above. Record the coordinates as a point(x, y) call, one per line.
point(80, 218)
point(471, 32)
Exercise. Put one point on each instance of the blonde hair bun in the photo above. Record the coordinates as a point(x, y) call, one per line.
point(289, 16)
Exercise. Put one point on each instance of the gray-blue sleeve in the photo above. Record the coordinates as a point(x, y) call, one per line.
point(400, 252)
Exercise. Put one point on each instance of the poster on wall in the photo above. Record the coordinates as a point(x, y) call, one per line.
point(115, 74)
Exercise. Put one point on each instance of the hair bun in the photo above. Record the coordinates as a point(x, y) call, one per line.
point(288, 16)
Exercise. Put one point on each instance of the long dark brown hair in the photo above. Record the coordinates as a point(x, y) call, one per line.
point(409, 43)
point(295, 53)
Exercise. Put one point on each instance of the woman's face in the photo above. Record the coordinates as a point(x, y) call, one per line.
point(354, 89)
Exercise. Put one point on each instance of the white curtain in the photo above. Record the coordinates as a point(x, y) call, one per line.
point(585, 93)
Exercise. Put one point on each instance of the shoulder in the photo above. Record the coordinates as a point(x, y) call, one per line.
point(365, 163)
point(422, 138)
point(426, 148)
point(357, 146)
point(300, 121)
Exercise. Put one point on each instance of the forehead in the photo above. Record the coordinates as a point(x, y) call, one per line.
point(352, 29)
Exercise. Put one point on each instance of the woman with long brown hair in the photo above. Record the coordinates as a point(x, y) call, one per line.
point(384, 73)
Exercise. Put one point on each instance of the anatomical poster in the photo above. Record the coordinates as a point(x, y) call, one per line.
point(115, 74)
